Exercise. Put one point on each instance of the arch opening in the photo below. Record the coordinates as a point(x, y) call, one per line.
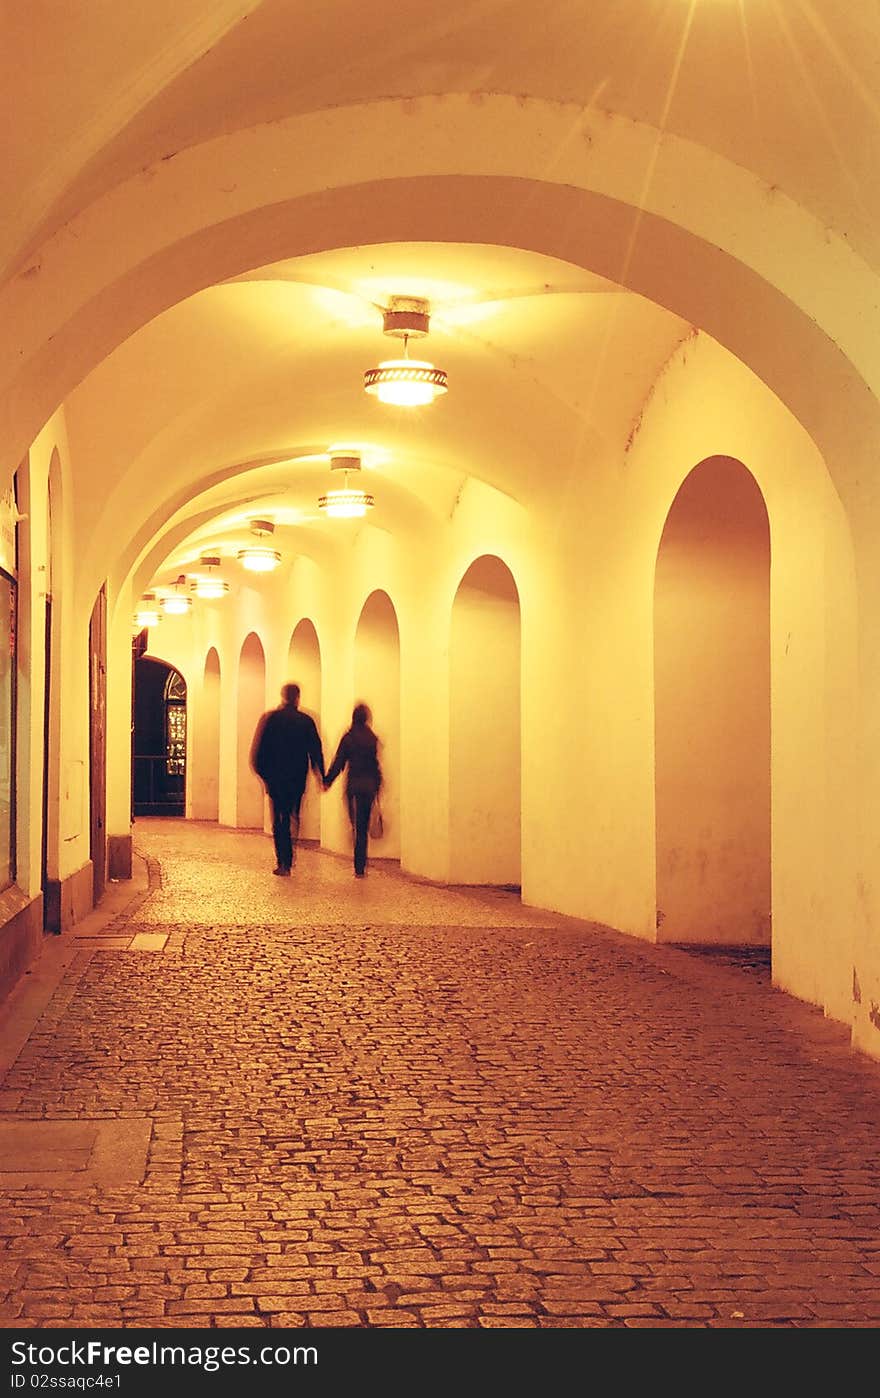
point(304, 669)
point(205, 778)
point(377, 684)
point(250, 803)
point(159, 758)
point(712, 711)
point(484, 731)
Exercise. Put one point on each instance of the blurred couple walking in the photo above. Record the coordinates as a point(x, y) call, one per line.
point(286, 744)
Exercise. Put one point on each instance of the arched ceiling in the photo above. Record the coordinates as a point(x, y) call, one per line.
point(738, 115)
point(227, 407)
point(92, 93)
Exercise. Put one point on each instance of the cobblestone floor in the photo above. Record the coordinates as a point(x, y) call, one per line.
point(387, 1104)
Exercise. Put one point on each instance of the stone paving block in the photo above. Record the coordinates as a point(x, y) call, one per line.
point(353, 1118)
point(63, 1154)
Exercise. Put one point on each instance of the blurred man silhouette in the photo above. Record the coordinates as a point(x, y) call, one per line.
point(285, 743)
point(358, 751)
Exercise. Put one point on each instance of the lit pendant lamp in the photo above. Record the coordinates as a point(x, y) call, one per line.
point(345, 503)
point(407, 383)
point(177, 603)
point(206, 586)
point(147, 613)
point(260, 558)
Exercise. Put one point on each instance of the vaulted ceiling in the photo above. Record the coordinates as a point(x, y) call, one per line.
point(226, 405)
point(95, 91)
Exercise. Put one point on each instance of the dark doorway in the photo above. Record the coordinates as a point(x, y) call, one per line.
point(159, 775)
point(98, 744)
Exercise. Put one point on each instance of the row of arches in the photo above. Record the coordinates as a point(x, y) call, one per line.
point(712, 716)
point(485, 766)
point(376, 678)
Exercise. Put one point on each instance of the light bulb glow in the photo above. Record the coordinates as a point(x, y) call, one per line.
point(146, 616)
point(210, 589)
point(407, 383)
point(345, 504)
point(258, 560)
point(176, 605)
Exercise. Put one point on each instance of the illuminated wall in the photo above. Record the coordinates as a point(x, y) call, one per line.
point(249, 810)
point(712, 711)
point(377, 684)
point(138, 369)
point(484, 756)
point(205, 744)
point(304, 669)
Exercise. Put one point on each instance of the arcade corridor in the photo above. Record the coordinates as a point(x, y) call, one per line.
point(231, 1100)
point(521, 382)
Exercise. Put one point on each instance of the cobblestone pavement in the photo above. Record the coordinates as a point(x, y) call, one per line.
point(388, 1104)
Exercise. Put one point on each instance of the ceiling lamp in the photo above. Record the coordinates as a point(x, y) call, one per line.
point(176, 603)
point(260, 559)
point(408, 383)
point(345, 503)
point(147, 613)
point(209, 588)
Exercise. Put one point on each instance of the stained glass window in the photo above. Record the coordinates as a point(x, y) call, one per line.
point(175, 724)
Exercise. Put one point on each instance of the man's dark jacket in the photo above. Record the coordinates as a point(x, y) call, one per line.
point(286, 742)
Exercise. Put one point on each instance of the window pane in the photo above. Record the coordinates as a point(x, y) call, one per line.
point(176, 739)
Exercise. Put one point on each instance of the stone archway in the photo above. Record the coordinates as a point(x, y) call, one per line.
point(484, 735)
point(304, 669)
point(377, 684)
point(250, 799)
point(712, 711)
point(206, 744)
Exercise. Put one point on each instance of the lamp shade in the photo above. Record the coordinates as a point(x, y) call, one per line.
point(407, 383)
point(207, 585)
point(176, 605)
point(147, 612)
point(346, 504)
point(209, 589)
point(259, 560)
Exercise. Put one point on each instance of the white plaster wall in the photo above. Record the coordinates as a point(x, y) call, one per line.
point(484, 756)
point(707, 404)
point(203, 741)
point(32, 549)
point(377, 684)
point(68, 843)
point(249, 809)
point(304, 669)
point(712, 711)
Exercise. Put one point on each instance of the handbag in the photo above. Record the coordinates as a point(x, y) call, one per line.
point(377, 824)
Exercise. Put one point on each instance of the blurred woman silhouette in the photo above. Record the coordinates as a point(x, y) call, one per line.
point(358, 751)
